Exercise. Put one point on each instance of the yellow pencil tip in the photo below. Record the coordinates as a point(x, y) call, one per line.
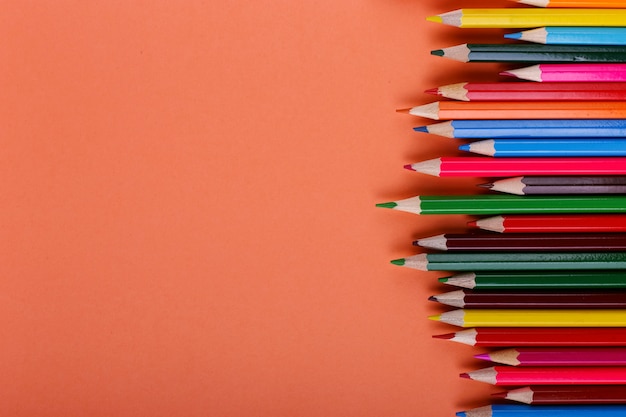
point(436, 19)
point(436, 318)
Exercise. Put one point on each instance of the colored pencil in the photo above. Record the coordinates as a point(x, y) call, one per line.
point(596, 4)
point(528, 91)
point(546, 299)
point(538, 336)
point(517, 129)
point(520, 410)
point(536, 53)
point(570, 73)
point(511, 148)
point(534, 318)
point(551, 185)
point(481, 110)
point(572, 35)
point(524, 242)
point(529, 18)
point(552, 223)
point(516, 261)
point(566, 394)
point(558, 356)
point(537, 280)
point(511, 167)
point(510, 375)
point(481, 204)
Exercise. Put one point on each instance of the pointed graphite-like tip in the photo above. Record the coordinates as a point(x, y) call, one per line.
point(388, 205)
point(465, 375)
point(483, 356)
point(409, 167)
point(461, 414)
point(465, 147)
point(436, 318)
point(399, 262)
point(423, 129)
point(499, 394)
point(443, 279)
point(473, 223)
point(487, 185)
point(434, 91)
point(446, 336)
point(437, 52)
point(407, 111)
point(432, 298)
point(436, 19)
point(507, 74)
point(516, 35)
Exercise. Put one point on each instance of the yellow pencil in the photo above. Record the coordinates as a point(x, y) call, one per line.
point(534, 318)
point(529, 18)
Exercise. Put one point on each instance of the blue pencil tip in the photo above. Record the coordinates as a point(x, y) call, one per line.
point(461, 414)
point(423, 129)
point(465, 147)
point(517, 35)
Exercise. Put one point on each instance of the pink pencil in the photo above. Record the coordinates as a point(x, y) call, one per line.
point(511, 167)
point(555, 356)
point(571, 73)
point(511, 375)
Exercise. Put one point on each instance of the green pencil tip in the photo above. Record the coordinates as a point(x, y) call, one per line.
point(437, 52)
point(444, 279)
point(389, 205)
point(399, 262)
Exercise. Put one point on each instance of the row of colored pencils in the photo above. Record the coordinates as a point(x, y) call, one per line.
point(543, 276)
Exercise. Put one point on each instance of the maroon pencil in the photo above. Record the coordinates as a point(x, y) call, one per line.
point(538, 336)
point(566, 394)
point(533, 242)
point(558, 356)
point(532, 299)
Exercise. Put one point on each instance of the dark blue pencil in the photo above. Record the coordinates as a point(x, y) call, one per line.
point(547, 147)
point(516, 129)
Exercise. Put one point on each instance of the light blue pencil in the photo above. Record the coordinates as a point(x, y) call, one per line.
point(572, 35)
point(522, 410)
point(547, 147)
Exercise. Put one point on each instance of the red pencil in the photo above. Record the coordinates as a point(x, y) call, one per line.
point(557, 223)
point(510, 375)
point(512, 167)
point(529, 91)
point(538, 336)
point(566, 394)
point(558, 356)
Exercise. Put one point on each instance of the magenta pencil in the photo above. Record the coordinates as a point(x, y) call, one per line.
point(558, 356)
point(540, 375)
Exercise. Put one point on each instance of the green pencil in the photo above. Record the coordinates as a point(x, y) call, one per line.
point(506, 204)
point(514, 261)
point(538, 280)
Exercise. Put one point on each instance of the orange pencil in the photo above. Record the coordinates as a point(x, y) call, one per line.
point(592, 4)
point(448, 110)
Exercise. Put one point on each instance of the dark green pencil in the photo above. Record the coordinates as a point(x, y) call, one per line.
point(473, 52)
point(538, 280)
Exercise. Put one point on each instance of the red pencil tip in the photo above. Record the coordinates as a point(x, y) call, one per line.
point(434, 91)
point(465, 375)
point(507, 74)
point(446, 336)
point(473, 223)
point(409, 167)
point(407, 111)
point(499, 394)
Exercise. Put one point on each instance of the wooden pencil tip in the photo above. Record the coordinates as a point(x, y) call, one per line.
point(465, 375)
point(407, 111)
point(436, 19)
point(446, 336)
point(388, 205)
point(399, 262)
point(409, 167)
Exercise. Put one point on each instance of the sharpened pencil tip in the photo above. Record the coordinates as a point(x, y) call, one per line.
point(399, 262)
point(434, 91)
point(437, 52)
point(460, 414)
point(465, 375)
point(432, 298)
point(436, 19)
point(407, 111)
point(516, 36)
point(499, 394)
point(487, 185)
point(483, 356)
point(422, 129)
point(444, 279)
point(446, 336)
point(409, 167)
point(436, 318)
point(388, 205)
point(507, 74)
point(465, 147)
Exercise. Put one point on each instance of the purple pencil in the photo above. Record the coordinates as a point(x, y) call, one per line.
point(555, 356)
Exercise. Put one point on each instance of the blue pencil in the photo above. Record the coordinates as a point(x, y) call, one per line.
point(572, 36)
point(547, 147)
point(549, 128)
point(523, 410)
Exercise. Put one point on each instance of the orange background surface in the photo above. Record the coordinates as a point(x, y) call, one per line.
point(187, 221)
